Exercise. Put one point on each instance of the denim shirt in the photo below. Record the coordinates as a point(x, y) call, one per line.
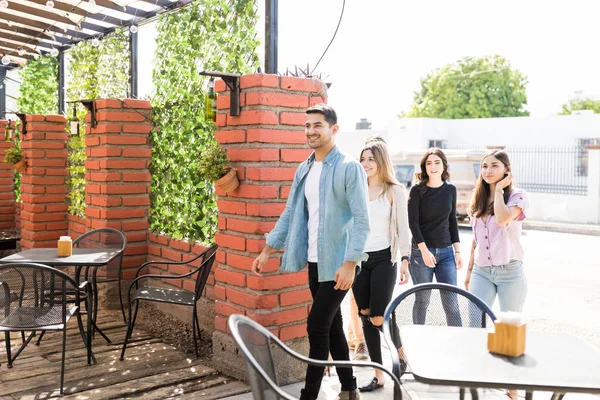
point(343, 217)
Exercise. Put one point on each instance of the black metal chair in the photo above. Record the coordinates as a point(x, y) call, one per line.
point(35, 297)
point(104, 238)
point(172, 296)
point(256, 344)
point(432, 304)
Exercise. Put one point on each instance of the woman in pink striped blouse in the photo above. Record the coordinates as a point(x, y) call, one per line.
point(497, 212)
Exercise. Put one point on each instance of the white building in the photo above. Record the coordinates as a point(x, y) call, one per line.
point(548, 155)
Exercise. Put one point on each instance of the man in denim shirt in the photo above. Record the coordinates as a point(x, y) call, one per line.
point(325, 224)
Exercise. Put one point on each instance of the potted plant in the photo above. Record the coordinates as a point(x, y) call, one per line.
point(14, 156)
point(214, 165)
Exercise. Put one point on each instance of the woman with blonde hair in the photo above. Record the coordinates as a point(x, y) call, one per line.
point(389, 237)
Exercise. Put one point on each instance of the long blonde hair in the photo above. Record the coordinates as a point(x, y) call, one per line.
point(385, 170)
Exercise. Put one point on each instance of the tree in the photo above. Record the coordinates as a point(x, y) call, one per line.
point(483, 87)
point(580, 104)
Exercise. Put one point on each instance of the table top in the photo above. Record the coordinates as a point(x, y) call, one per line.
point(48, 256)
point(456, 356)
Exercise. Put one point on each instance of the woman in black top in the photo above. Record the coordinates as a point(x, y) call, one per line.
point(435, 245)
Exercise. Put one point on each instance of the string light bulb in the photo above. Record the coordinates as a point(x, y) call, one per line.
point(50, 4)
point(5, 60)
point(95, 42)
point(21, 52)
point(3, 3)
point(133, 29)
point(54, 52)
point(92, 2)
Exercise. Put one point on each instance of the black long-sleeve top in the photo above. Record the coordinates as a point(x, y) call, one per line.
point(432, 215)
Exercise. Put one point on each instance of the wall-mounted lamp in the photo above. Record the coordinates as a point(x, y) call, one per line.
point(9, 134)
point(233, 83)
point(74, 121)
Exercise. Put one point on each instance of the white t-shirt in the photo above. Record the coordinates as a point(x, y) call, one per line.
point(311, 192)
point(380, 213)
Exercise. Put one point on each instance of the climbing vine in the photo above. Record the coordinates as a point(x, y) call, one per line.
point(215, 35)
point(38, 92)
point(95, 72)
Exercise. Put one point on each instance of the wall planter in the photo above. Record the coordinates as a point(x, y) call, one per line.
point(228, 182)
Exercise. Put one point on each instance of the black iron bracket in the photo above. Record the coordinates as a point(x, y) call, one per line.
point(23, 118)
point(233, 83)
point(91, 107)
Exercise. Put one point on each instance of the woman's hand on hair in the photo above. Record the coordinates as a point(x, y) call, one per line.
point(428, 258)
point(505, 182)
point(404, 274)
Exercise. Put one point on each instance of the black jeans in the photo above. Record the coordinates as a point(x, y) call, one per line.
point(373, 290)
point(325, 334)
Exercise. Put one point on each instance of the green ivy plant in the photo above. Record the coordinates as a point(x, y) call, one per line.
point(95, 72)
point(215, 35)
point(38, 92)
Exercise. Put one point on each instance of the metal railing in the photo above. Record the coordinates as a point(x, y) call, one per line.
point(549, 169)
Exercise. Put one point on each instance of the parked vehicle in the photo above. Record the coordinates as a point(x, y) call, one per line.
point(463, 166)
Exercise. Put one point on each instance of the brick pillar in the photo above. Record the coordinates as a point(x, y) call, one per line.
point(118, 181)
point(43, 184)
point(7, 193)
point(266, 142)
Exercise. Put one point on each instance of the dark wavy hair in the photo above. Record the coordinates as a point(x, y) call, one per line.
point(422, 176)
point(479, 199)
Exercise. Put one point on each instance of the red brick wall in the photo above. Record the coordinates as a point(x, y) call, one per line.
point(43, 184)
point(118, 180)
point(265, 143)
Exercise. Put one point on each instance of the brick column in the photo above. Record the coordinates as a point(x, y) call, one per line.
point(118, 180)
point(7, 193)
point(266, 142)
point(43, 184)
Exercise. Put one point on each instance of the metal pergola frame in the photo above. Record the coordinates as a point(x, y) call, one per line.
point(29, 29)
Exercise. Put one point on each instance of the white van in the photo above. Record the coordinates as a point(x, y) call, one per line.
point(463, 166)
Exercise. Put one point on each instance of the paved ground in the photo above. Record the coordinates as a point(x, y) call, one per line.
point(564, 295)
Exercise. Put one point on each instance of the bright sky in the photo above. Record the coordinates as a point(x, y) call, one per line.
point(384, 47)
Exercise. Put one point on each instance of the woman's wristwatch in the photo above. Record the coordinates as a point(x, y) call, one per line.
point(404, 258)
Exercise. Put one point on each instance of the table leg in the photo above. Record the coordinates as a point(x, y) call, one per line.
point(528, 395)
point(461, 393)
point(474, 394)
point(557, 396)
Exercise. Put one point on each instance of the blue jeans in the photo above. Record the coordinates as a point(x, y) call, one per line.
point(445, 272)
point(507, 281)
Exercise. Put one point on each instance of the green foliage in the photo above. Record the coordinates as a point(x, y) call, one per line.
point(39, 87)
point(14, 154)
point(213, 162)
point(580, 104)
point(207, 35)
point(95, 72)
point(483, 87)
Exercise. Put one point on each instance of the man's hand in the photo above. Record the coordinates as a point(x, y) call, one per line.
point(262, 258)
point(344, 276)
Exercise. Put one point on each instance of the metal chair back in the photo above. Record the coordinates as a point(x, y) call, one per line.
point(433, 304)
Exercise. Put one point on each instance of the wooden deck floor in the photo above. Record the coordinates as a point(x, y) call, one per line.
point(151, 369)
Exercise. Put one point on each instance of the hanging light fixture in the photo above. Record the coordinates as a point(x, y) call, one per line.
point(21, 52)
point(4, 4)
point(133, 29)
point(50, 4)
point(95, 42)
point(74, 121)
point(92, 2)
point(10, 132)
point(54, 52)
point(5, 60)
